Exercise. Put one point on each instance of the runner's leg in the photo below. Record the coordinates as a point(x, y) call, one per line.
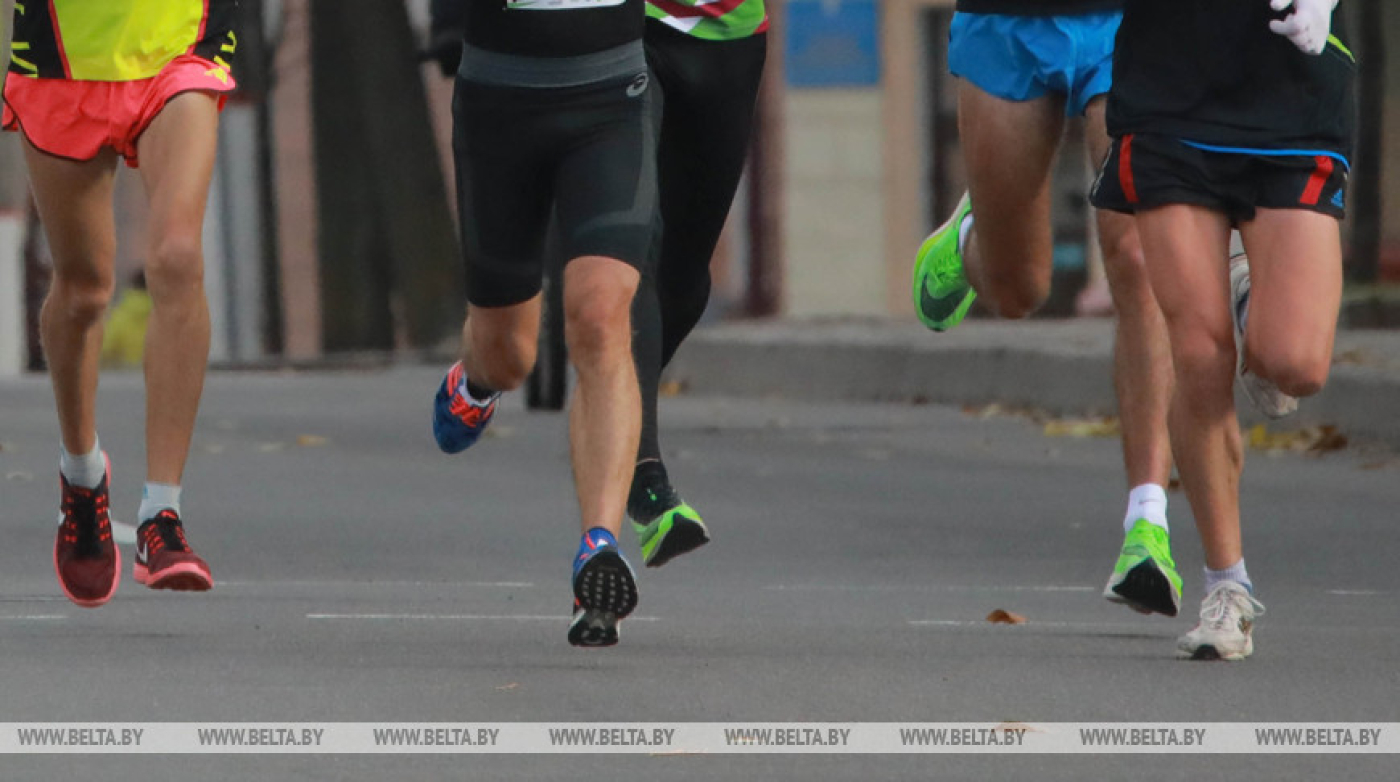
point(177, 160)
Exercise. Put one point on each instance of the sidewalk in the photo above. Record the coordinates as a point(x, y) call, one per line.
point(1060, 366)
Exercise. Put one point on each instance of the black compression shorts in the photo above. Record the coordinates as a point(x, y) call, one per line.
point(1146, 170)
point(585, 152)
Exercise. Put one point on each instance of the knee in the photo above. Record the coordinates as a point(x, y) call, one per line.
point(599, 327)
point(1126, 268)
point(505, 361)
point(1015, 299)
point(176, 266)
point(1298, 370)
point(1205, 363)
point(82, 298)
point(1013, 293)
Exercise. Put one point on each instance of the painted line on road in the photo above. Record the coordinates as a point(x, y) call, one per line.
point(1028, 623)
point(461, 617)
point(928, 588)
point(34, 618)
point(341, 583)
point(1355, 592)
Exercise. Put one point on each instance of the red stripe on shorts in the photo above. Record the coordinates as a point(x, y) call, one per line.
point(58, 39)
point(1317, 181)
point(1125, 169)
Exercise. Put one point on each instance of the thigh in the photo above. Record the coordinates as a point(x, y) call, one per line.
point(504, 158)
point(710, 88)
point(1184, 246)
point(74, 199)
point(1295, 269)
point(177, 153)
point(1009, 148)
point(605, 186)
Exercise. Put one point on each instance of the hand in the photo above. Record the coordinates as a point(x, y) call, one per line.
point(1309, 24)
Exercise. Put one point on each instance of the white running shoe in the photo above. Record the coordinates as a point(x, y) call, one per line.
point(1262, 392)
point(1227, 620)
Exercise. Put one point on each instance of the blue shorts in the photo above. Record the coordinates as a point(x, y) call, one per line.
point(1020, 58)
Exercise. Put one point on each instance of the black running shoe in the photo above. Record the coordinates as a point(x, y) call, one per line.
point(605, 590)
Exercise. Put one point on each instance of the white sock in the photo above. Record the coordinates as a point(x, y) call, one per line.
point(1235, 573)
point(83, 470)
point(156, 497)
point(1148, 501)
point(964, 229)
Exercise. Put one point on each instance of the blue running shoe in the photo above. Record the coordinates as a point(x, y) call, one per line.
point(458, 419)
point(605, 590)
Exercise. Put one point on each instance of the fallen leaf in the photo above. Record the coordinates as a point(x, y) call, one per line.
point(311, 440)
point(1003, 617)
point(510, 686)
point(1106, 426)
point(671, 388)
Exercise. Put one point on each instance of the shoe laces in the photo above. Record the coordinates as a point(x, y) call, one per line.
point(165, 531)
point(86, 520)
point(1226, 604)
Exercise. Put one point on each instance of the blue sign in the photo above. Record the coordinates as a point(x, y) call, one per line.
point(833, 43)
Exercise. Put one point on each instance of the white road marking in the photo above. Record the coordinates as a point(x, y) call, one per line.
point(34, 618)
point(1027, 623)
point(1355, 592)
point(346, 582)
point(465, 617)
point(929, 588)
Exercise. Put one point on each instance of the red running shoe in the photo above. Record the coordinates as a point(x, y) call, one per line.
point(164, 559)
point(85, 557)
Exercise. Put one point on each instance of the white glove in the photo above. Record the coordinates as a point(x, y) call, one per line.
point(1309, 24)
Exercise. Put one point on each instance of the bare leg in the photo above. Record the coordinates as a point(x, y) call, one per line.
point(1185, 248)
point(499, 344)
point(1295, 260)
point(75, 205)
point(1142, 362)
point(1009, 148)
point(605, 419)
point(177, 162)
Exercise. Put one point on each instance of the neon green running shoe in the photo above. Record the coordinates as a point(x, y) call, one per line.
point(942, 294)
point(1145, 578)
point(677, 530)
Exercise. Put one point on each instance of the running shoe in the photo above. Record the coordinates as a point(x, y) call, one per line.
point(1227, 624)
point(1145, 578)
point(666, 526)
point(942, 294)
point(458, 419)
point(605, 590)
point(164, 559)
point(85, 556)
point(1262, 392)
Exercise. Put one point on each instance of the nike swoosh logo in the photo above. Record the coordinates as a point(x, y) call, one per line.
point(142, 552)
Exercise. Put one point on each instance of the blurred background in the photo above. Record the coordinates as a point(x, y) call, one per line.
point(331, 228)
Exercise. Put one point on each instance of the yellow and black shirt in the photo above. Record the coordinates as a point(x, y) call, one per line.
point(117, 40)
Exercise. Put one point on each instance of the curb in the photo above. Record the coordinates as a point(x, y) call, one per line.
point(1062, 367)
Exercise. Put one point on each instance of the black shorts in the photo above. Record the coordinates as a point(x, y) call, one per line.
point(586, 153)
point(1147, 170)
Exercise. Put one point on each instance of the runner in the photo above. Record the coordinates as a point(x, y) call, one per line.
point(1251, 126)
point(1025, 66)
point(707, 59)
point(90, 83)
point(551, 113)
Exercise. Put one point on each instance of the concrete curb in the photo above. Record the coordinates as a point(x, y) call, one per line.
point(1063, 367)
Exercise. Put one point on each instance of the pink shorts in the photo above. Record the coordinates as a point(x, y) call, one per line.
point(76, 119)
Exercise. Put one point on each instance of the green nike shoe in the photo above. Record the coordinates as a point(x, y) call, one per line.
point(678, 530)
point(1145, 578)
point(942, 294)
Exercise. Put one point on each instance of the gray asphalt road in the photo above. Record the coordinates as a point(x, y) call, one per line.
point(363, 576)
